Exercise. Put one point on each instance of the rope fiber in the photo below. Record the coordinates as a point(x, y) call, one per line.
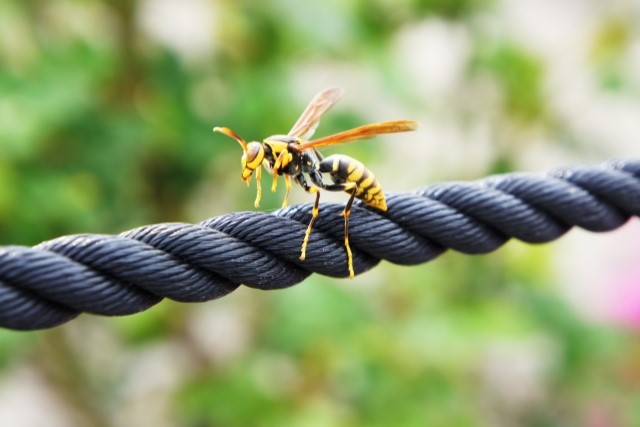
point(51, 283)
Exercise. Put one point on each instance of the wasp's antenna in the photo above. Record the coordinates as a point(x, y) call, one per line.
point(231, 134)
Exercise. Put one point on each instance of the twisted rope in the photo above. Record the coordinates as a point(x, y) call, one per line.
point(51, 283)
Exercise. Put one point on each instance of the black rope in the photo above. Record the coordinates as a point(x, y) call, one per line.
point(51, 283)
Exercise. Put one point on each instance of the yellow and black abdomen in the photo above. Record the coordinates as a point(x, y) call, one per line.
point(345, 170)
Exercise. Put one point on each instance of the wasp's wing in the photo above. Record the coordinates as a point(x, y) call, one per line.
point(362, 132)
point(310, 117)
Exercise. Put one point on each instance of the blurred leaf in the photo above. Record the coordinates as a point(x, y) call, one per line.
point(519, 74)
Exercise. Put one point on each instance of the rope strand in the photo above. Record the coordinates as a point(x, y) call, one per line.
point(51, 283)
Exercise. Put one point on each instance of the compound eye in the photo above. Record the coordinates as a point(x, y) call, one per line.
point(252, 151)
point(246, 171)
point(254, 155)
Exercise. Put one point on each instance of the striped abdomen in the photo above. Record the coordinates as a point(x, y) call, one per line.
point(344, 170)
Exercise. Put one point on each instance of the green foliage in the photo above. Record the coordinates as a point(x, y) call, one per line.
point(609, 45)
point(519, 75)
point(14, 345)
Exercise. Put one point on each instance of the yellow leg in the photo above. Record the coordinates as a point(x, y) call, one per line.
point(314, 215)
point(280, 162)
point(346, 244)
point(287, 183)
point(259, 187)
point(346, 213)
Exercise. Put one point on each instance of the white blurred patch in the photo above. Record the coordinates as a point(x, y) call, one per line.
point(554, 29)
point(451, 152)
point(27, 401)
point(633, 62)
point(221, 333)
point(157, 368)
point(434, 55)
point(515, 374)
point(363, 95)
point(538, 152)
point(154, 374)
point(609, 121)
point(187, 27)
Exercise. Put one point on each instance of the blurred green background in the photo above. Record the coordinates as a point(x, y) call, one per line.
point(106, 110)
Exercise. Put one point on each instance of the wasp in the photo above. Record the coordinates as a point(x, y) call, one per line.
point(294, 156)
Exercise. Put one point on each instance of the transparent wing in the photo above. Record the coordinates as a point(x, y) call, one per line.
point(361, 132)
point(310, 117)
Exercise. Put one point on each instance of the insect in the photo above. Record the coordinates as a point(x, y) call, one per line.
point(295, 157)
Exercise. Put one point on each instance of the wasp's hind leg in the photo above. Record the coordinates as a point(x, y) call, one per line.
point(353, 188)
point(314, 211)
point(314, 216)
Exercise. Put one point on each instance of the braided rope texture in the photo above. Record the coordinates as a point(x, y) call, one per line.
point(51, 283)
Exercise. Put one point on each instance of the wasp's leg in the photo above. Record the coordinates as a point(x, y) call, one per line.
point(259, 187)
point(353, 187)
point(314, 215)
point(283, 160)
point(287, 184)
point(274, 184)
point(300, 178)
point(316, 177)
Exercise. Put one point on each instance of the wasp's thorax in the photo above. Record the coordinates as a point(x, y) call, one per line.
point(251, 159)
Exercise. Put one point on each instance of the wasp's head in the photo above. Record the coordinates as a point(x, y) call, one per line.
point(251, 159)
point(253, 152)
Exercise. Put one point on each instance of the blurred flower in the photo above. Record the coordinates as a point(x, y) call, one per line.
point(600, 274)
point(623, 305)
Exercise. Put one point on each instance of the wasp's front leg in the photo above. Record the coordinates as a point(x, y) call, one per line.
point(274, 184)
point(287, 184)
point(281, 163)
point(277, 165)
point(259, 187)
